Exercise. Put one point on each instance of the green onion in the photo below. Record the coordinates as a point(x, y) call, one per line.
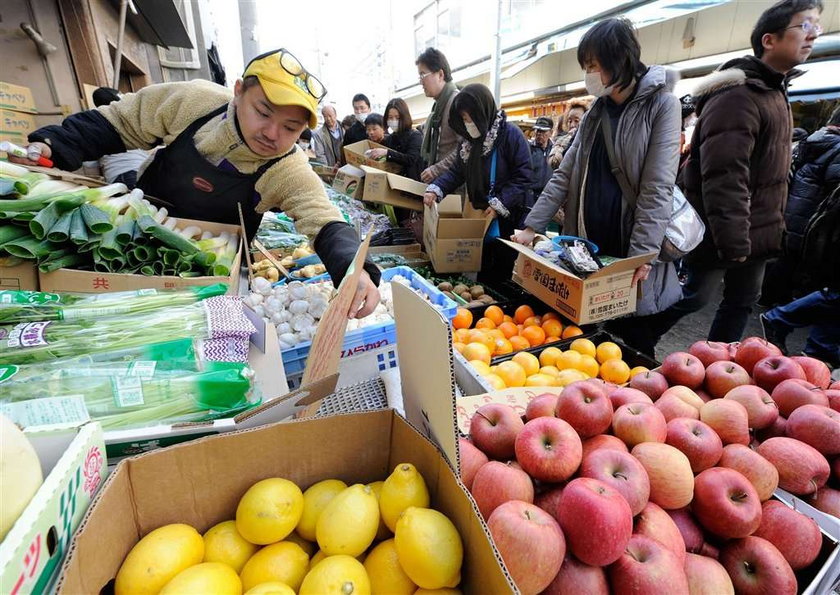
point(60, 232)
point(11, 232)
point(96, 219)
point(78, 231)
point(68, 261)
point(29, 248)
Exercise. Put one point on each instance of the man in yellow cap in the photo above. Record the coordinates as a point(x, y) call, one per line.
point(222, 150)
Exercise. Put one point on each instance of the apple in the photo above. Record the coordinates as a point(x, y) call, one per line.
point(706, 576)
point(818, 426)
point(802, 468)
point(826, 500)
point(596, 521)
point(549, 500)
point(673, 407)
point(835, 469)
point(496, 483)
point(692, 535)
point(621, 471)
point(652, 383)
point(603, 385)
point(696, 440)
point(472, 460)
point(760, 472)
point(726, 503)
point(683, 368)
point(704, 396)
point(493, 429)
point(835, 385)
point(757, 567)
point(639, 422)
point(686, 395)
point(669, 471)
point(772, 370)
point(729, 419)
point(625, 395)
point(541, 406)
point(603, 441)
point(577, 577)
point(710, 551)
point(753, 349)
point(762, 410)
point(530, 542)
point(777, 428)
point(795, 535)
point(647, 568)
point(721, 377)
point(709, 352)
point(587, 409)
point(548, 449)
point(793, 393)
point(833, 397)
point(655, 523)
point(816, 371)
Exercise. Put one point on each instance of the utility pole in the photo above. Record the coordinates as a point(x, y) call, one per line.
point(496, 57)
point(248, 30)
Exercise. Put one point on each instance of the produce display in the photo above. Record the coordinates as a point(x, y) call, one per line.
point(329, 539)
point(20, 474)
point(663, 485)
point(356, 214)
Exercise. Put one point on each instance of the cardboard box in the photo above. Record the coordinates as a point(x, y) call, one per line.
point(350, 180)
point(73, 281)
point(21, 277)
point(15, 97)
point(354, 154)
point(15, 127)
point(391, 189)
point(603, 295)
point(454, 235)
point(73, 463)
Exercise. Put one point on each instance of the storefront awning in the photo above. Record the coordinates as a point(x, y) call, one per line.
point(158, 22)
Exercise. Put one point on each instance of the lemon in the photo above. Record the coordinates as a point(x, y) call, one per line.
point(337, 575)
point(443, 591)
point(429, 548)
point(403, 488)
point(223, 543)
point(386, 575)
point(272, 588)
point(158, 558)
point(319, 555)
point(310, 547)
point(349, 522)
point(315, 499)
point(210, 577)
point(383, 532)
point(269, 511)
point(285, 562)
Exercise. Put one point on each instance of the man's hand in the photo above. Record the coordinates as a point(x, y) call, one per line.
point(429, 198)
point(44, 149)
point(377, 153)
point(366, 298)
point(641, 273)
point(524, 236)
point(426, 176)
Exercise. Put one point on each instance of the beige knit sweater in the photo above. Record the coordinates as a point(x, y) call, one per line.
point(158, 113)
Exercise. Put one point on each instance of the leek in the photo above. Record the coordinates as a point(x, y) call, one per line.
point(60, 232)
point(96, 219)
point(78, 231)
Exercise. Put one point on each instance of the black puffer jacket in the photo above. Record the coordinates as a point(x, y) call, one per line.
point(817, 174)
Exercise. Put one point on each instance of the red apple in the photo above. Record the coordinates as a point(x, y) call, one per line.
point(530, 542)
point(721, 377)
point(621, 471)
point(548, 449)
point(835, 385)
point(603, 441)
point(577, 577)
point(762, 410)
point(683, 368)
point(710, 551)
point(706, 576)
point(472, 460)
point(625, 395)
point(833, 397)
point(639, 422)
point(709, 352)
point(753, 349)
point(587, 409)
point(777, 428)
point(603, 385)
point(496, 483)
point(704, 396)
point(673, 407)
point(729, 419)
point(652, 383)
point(816, 372)
point(795, 535)
point(757, 567)
point(541, 406)
point(691, 533)
point(647, 568)
point(596, 521)
point(802, 468)
point(791, 394)
point(549, 500)
point(760, 472)
point(725, 503)
point(835, 469)
point(696, 440)
point(686, 395)
point(818, 426)
point(826, 500)
point(671, 479)
point(655, 523)
point(494, 428)
point(770, 371)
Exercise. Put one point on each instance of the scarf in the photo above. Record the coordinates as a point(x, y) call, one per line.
point(431, 133)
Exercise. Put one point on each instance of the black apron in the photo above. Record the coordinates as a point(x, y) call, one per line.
point(179, 174)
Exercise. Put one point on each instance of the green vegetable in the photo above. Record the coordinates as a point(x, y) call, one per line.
point(96, 219)
point(78, 231)
point(60, 232)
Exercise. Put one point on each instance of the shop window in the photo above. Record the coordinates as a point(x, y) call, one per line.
point(186, 58)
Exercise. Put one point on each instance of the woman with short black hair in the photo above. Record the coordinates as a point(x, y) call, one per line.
point(403, 142)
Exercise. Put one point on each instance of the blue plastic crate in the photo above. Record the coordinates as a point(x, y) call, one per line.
point(375, 336)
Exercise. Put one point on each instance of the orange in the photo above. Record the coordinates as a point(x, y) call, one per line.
point(551, 340)
point(607, 351)
point(523, 313)
point(549, 371)
point(485, 323)
point(552, 328)
point(480, 336)
point(508, 329)
point(551, 316)
point(534, 334)
point(549, 356)
point(589, 366)
point(511, 373)
point(571, 331)
point(503, 347)
point(481, 367)
point(477, 351)
point(532, 321)
point(495, 381)
point(616, 371)
point(583, 347)
point(566, 377)
point(519, 343)
point(637, 370)
point(568, 360)
point(540, 380)
point(461, 335)
point(463, 318)
point(495, 314)
point(496, 333)
point(459, 347)
point(509, 318)
point(528, 361)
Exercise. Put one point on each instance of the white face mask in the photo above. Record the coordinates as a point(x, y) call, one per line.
point(594, 84)
point(393, 124)
point(361, 117)
point(472, 129)
point(304, 144)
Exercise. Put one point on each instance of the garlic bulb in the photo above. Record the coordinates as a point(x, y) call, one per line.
point(261, 285)
point(302, 321)
point(299, 307)
point(297, 290)
point(283, 328)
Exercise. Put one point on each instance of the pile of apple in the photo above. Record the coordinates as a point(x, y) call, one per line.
point(663, 485)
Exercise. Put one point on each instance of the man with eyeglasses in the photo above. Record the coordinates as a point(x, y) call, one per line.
point(439, 140)
point(223, 150)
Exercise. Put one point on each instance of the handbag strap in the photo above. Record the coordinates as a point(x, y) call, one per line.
point(492, 191)
point(617, 172)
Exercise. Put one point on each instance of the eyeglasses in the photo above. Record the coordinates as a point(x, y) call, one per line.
point(423, 75)
point(293, 66)
point(808, 27)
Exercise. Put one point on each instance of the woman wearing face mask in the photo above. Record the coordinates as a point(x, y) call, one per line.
point(645, 120)
point(403, 142)
point(488, 138)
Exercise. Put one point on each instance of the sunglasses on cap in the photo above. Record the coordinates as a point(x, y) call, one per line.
point(292, 66)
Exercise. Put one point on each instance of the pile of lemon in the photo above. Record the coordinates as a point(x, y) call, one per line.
point(555, 367)
point(330, 539)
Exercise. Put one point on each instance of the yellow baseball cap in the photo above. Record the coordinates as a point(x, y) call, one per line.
point(285, 82)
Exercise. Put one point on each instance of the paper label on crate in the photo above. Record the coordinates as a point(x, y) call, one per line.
point(28, 297)
point(128, 391)
point(25, 334)
point(69, 409)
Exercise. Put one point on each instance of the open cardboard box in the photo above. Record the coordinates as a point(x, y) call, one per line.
point(454, 235)
point(21, 277)
point(349, 180)
point(391, 189)
point(354, 154)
